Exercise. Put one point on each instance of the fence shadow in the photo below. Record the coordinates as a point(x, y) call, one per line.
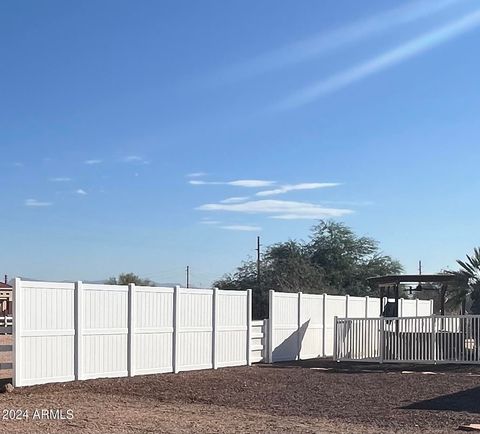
point(466, 400)
point(292, 345)
point(330, 366)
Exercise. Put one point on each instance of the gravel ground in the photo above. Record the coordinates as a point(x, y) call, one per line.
point(311, 397)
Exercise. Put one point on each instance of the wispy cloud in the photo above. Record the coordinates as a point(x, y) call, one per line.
point(325, 43)
point(81, 192)
point(288, 210)
point(135, 159)
point(244, 228)
point(249, 183)
point(386, 60)
point(61, 179)
point(210, 222)
point(18, 164)
point(36, 203)
point(93, 161)
point(235, 199)
point(295, 187)
point(197, 182)
point(348, 202)
point(196, 174)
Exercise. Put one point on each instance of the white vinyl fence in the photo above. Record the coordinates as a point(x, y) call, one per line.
point(434, 339)
point(259, 344)
point(67, 331)
point(301, 325)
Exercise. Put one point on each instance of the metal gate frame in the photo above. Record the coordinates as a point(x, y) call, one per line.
point(430, 340)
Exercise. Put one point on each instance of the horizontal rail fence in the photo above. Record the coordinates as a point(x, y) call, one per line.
point(6, 347)
point(301, 326)
point(434, 339)
point(68, 331)
point(6, 323)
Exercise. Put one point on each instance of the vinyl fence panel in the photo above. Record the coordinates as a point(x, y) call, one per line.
point(311, 326)
point(231, 328)
point(373, 307)
point(302, 326)
point(425, 307)
point(194, 345)
point(44, 332)
point(104, 319)
point(336, 306)
point(356, 307)
point(284, 331)
point(152, 345)
point(259, 341)
point(67, 331)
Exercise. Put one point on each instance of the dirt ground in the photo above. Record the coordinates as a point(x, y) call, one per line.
point(309, 397)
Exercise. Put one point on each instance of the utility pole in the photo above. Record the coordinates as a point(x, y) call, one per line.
point(187, 271)
point(258, 262)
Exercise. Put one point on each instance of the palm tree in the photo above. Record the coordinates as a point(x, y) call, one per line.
point(470, 274)
point(457, 293)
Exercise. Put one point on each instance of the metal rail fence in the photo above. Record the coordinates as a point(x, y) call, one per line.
point(434, 339)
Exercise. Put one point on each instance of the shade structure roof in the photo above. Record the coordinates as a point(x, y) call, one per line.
point(420, 278)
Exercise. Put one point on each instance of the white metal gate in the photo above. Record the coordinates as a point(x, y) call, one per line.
point(434, 339)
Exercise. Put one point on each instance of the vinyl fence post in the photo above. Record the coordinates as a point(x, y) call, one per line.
point(249, 327)
point(367, 301)
point(299, 325)
point(382, 339)
point(400, 314)
point(214, 327)
point(131, 330)
point(431, 307)
point(324, 331)
point(271, 314)
point(175, 364)
point(416, 307)
point(78, 312)
point(433, 343)
point(266, 345)
point(17, 332)
point(335, 338)
point(347, 297)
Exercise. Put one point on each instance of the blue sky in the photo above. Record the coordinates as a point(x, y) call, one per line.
point(145, 136)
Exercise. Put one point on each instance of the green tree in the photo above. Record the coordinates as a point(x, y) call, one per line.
point(245, 277)
point(126, 278)
point(470, 273)
point(347, 259)
point(335, 260)
point(284, 267)
point(288, 267)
